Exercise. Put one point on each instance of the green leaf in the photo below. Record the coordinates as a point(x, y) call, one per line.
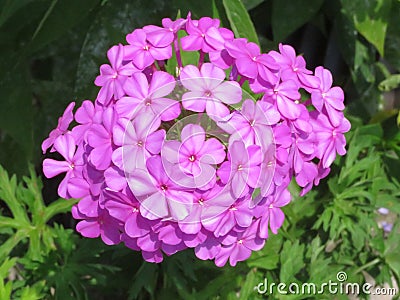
point(398, 119)
point(390, 83)
point(8, 246)
point(16, 112)
point(60, 17)
point(268, 262)
point(288, 15)
point(5, 290)
point(146, 278)
point(370, 19)
point(7, 264)
point(8, 188)
point(33, 292)
point(248, 287)
point(9, 7)
point(57, 207)
point(291, 261)
point(250, 4)
point(240, 21)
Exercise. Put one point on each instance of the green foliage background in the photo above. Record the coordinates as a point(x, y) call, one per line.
point(50, 52)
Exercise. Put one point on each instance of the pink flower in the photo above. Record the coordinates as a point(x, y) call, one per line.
point(198, 37)
point(252, 124)
point(138, 140)
point(103, 225)
point(160, 197)
point(271, 214)
point(86, 115)
point(286, 96)
point(112, 77)
point(149, 98)
point(208, 90)
point(65, 145)
point(242, 170)
point(293, 67)
point(62, 127)
point(328, 97)
point(125, 208)
point(161, 177)
point(100, 139)
point(223, 214)
point(238, 245)
point(142, 52)
point(203, 207)
point(250, 62)
point(196, 156)
point(330, 138)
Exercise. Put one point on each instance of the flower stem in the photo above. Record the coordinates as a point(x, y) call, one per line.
point(177, 52)
point(201, 58)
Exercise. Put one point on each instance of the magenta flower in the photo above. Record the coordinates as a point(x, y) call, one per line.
point(149, 98)
point(252, 124)
point(196, 156)
point(271, 214)
point(86, 115)
point(173, 26)
point(102, 225)
point(62, 127)
point(125, 208)
point(203, 207)
point(293, 67)
point(331, 139)
point(198, 37)
point(161, 177)
point(142, 52)
point(238, 245)
point(250, 62)
point(286, 96)
point(217, 37)
point(160, 197)
point(208, 90)
point(138, 140)
point(242, 170)
point(65, 145)
point(100, 138)
point(222, 214)
point(328, 97)
point(112, 77)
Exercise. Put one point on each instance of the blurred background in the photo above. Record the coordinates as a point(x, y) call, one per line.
point(50, 53)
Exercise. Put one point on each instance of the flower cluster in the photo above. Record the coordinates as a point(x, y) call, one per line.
point(163, 162)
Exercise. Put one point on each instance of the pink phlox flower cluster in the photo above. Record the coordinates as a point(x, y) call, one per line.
point(219, 191)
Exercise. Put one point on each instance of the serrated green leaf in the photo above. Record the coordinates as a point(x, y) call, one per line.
point(5, 290)
point(145, 278)
point(8, 246)
point(57, 207)
point(6, 265)
point(8, 189)
point(291, 260)
point(240, 21)
point(33, 292)
point(268, 262)
point(287, 16)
